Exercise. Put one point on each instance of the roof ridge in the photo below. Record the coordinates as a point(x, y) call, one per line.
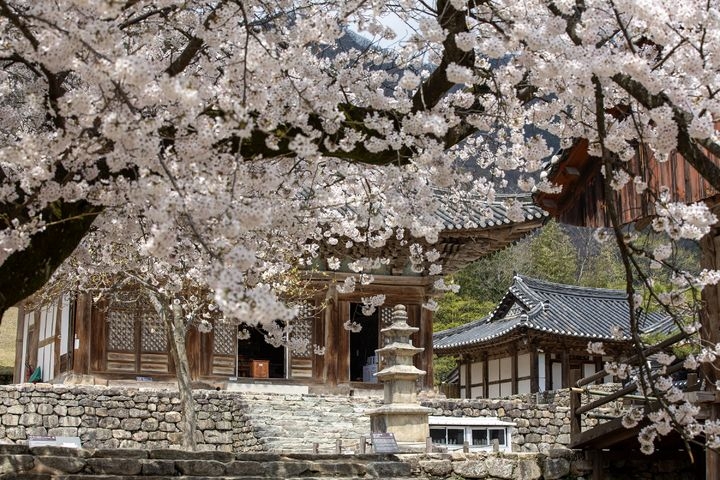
point(534, 283)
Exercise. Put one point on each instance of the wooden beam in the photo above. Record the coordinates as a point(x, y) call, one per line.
point(513, 369)
point(331, 343)
point(57, 334)
point(468, 377)
point(342, 337)
point(548, 372)
point(19, 334)
point(534, 370)
point(565, 359)
point(486, 380)
point(712, 458)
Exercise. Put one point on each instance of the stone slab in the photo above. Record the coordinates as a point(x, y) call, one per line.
point(267, 388)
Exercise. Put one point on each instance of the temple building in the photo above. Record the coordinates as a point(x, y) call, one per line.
point(537, 335)
point(73, 337)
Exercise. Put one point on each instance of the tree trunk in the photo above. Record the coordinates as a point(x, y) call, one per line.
point(175, 326)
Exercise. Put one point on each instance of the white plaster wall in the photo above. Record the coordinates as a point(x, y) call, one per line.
point(477, 372)
point(524, 365)
point(541, 372)
point(556, 375)
point(494, 391)
point(494, 370)
point(477, 392)
point(505, 368)
point(505, 389)
point(524, 386)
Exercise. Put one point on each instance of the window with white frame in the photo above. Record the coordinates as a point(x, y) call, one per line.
point(480, 433)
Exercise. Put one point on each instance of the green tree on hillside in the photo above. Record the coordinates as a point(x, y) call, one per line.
point(553, 257)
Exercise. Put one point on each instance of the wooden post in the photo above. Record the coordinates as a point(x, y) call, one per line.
point(331, 350)
point(495, 445)
point(565, 359)
point(513, 370)
point(548, 372)
point(362, 445)
point(468, 378)
point(338, 446)
point(315, 448)
point(19, 373)
point(58, 333)
point(486, 371)
point(534, 370)
point(466, 447)
point(710, 328)
point(428, 445)
point(712, 458)
point(597, 465)
point(575, 419)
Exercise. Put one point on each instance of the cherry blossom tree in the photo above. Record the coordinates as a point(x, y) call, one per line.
point(255, 130)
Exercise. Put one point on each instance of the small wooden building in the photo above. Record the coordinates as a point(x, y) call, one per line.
point(74, 336)
point(537, 335)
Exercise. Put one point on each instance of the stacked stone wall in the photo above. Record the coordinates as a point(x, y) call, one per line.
point(542, 420)
point(119, 417)
point(128, 417)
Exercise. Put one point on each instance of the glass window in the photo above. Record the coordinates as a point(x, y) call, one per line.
point(456, 436)
point(479, 437)
point(485, 436)
point(438, 435)
point(497, 434)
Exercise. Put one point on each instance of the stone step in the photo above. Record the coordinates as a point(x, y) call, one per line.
point(40, 476)
point(286, 423)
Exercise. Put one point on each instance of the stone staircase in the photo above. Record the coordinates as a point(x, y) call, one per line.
point(61, 463)
point(291, 423)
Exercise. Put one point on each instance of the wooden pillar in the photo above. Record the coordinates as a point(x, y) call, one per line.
point(19, 334)
point(534, 373)
point(565, 359)
point(331, 345)
point(34, 340)
point(513, 369)
point(192, 347)
point(710, 315)
point(342, 338)
point(468, 378)
point(712, 458)
point(318, 338)
point(58, 334)
point(81, 356)
point(710, 329)
point(485, 372)
point(548, 372)
point(97, 338)
point(598, 367)
point(426, 332)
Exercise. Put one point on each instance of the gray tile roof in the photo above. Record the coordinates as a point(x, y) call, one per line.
point(551, 308)
point(472, 214)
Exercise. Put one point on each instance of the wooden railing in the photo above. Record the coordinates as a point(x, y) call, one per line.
point(577, 409)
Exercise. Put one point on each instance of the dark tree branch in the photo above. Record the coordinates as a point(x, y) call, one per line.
point(437, 84)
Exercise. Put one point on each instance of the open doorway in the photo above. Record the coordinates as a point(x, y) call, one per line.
point(363, 362)
point(253, 351)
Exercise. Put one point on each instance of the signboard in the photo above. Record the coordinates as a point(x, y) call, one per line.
point(51, 441)
point(384, 443)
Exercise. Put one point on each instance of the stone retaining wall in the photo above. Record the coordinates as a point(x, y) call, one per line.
point(540, 425)
point(118, 417)
point(127, 417)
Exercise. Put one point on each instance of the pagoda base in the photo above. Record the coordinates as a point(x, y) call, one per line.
point(408, 422)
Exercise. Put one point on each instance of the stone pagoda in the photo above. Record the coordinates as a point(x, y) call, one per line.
point(401, 414)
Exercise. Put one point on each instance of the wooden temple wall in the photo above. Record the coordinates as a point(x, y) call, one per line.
point(129, 342)
point(522, 371)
